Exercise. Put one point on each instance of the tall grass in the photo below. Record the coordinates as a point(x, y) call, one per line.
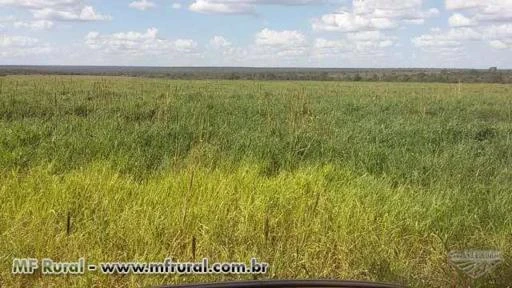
point(370, 181)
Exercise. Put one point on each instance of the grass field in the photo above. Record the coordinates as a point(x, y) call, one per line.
point(366, 181)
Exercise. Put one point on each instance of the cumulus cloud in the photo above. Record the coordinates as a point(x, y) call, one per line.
point(142, 5)
point(447, 43)
point(368, 15)
point(34, 25)
point(289, 47)
point(213, 7)
point(281, 43)
point(500, 36)
point(459, 20)
point(187, 46)
point(455, 39)
point(267, 37)
point(19, 46)
point(498, 44)
point(472, 20)
point(241, 6)
point(370, 39)
point(229, 53)
point(353, 45)
point(323, 48)
point(452, 37)
point(489, 10)
point(270, 47)
point(137, 43)
point(219, 42)
point(86, 13)
point(58, 10)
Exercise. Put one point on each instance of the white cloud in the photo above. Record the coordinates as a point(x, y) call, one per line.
point(176, 5)
point(500, 36)
point(474, 21)
point(241, 6)
point(498, 44)
point(488, 10)
point(142, 5)
point(368, 15)
point(17, 41)
point(348, 22)
point(19, 46)
point(270, 47)
point(230, 53)
point(37, 4)
point(219, 42)
point(58, 10)
point(211, 7)
point(34, 25)
point(323, 48)
point(456, 39)
point(267, 37)
point(87, 13)
point(479, 23)
point(459, 20)
point(289, 47)
point(139, 44)
point(185, 45)
point(353, 45)
point(462, 4)
point(451, 38)
point(280, 43)
point(373, 37)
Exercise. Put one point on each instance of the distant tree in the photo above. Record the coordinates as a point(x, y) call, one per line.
point(497, 78)
point(421, 76)
point(324, 76)
point(234, 76)
point(270, 76)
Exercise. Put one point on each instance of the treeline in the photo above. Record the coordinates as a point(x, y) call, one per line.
point(293, 74)
point(443, 76)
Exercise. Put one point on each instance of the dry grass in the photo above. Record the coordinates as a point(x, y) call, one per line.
point(369, 181)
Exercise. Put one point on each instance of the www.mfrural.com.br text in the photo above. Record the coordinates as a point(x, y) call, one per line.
point(27, 266)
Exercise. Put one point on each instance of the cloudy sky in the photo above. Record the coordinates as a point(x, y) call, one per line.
point(302, 33)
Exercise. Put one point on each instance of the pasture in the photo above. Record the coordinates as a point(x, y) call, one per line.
point(343, 180)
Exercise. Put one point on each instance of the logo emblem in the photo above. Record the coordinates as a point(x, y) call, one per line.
point(475, 263)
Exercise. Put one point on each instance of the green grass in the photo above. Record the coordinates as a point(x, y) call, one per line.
point(367, 181)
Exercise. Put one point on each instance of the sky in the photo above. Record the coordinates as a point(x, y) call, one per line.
point(258, 33)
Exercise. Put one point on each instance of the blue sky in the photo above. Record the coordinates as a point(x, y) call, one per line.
point(299, 33)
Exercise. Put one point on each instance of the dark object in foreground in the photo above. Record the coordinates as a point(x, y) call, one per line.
point(289, 284)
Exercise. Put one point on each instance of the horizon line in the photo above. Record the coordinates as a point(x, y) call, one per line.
point(251, 67)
